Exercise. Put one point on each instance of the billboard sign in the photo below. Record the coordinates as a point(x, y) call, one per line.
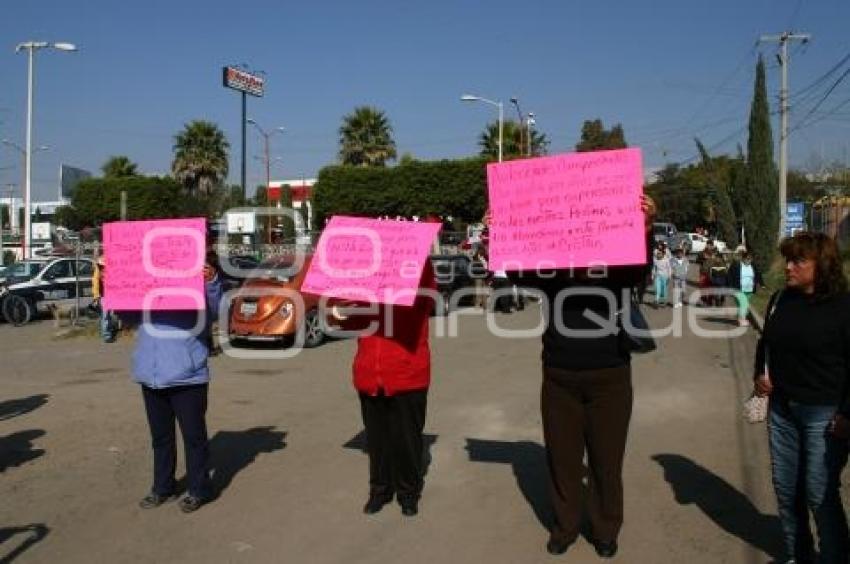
point(69, 177)
point(41, 231)
point(243, 81)
point(241, 222)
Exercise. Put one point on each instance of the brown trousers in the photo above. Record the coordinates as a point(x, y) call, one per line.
point(586, 410)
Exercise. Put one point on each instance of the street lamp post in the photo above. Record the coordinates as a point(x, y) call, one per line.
point(13, 219)
point(471, 98)
point(529, 122)
point(522, 127)
point(31, 47)
point(267, 135)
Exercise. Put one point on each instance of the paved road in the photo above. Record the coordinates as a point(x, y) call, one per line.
point(286, 441)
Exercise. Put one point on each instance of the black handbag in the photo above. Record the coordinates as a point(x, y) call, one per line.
point(636, 336)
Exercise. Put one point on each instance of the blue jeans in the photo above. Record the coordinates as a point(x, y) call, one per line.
point(807, 464)
point(107, 326)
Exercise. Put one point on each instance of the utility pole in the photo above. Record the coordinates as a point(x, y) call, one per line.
point(783, 39)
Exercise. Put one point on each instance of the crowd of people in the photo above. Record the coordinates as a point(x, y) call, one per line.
point(718, 278)
point(802, 364)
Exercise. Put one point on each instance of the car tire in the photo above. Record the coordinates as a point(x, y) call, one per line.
point(17, 310)
point(313, 333)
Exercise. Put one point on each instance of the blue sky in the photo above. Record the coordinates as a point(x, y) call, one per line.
point(667, 70)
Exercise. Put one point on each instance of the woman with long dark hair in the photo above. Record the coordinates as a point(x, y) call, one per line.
point(802, 364)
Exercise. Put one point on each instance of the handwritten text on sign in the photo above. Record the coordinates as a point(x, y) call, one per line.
point(572, 210)
point(154, 265)
point(370, 260)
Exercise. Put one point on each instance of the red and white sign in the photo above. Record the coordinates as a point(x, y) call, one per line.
point(243, 81)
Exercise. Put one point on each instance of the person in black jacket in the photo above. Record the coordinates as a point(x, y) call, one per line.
point(802, 364)
point(586, 397)
point(746, 278)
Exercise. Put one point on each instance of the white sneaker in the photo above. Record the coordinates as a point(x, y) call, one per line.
point(743, 323)
point(677, 305)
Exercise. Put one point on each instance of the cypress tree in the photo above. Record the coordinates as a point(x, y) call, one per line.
point(760, 197)
point(724, 213)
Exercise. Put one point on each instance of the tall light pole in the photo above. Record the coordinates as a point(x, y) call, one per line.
point(267, 135)
point(515, 102)
point(471, 98)
point(529, 122)
point(13, 218)
point(31, 47)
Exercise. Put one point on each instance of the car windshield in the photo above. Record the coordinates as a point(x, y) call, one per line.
point(280, 268)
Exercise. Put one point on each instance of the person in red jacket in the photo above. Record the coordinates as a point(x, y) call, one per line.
point(392, 373)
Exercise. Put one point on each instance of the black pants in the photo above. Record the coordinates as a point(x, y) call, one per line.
point(394, 442)
point(188, 404)
point(586, 410)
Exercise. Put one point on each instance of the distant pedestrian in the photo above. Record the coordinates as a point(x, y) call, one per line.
point(479, 273)
point(712, 275)
point(746, 278)
point(108, 321)
point(661, 272)
point(679, 269)
point(802, 364)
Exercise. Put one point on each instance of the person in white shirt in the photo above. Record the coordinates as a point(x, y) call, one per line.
point(679, 269)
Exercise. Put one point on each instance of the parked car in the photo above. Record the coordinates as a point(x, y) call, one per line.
point(698, 242)
point(245, 264)
point(453, 272)
point(261, 313)
point(55, 280)
point(668, 233)
point(22, 271)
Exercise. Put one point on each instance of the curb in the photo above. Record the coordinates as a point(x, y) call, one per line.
point(756, 321)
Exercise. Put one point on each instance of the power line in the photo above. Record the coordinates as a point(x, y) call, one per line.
point(822, 100)
point(826, 115)
point(821, 79)
point(747, 56)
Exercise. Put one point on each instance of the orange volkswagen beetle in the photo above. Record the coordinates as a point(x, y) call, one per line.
point(269, 307)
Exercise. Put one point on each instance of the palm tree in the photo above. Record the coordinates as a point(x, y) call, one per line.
point(365, 138)
point(119, 166)
point(514, 141)
point(200, 156)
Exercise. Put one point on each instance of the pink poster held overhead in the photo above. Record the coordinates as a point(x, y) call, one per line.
point(154, 265)
point(571, 210)
point(370, 260)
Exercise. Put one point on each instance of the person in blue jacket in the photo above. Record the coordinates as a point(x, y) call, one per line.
point(170, 363)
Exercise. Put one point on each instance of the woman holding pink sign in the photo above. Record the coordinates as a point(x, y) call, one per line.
point(586, 396)
point(170, 363)
point(392, 374)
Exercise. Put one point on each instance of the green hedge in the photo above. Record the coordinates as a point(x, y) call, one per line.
point(456, 188)
point(98, 200)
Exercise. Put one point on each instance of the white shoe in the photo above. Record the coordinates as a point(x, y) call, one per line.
point(743, 323)
point(677, 305)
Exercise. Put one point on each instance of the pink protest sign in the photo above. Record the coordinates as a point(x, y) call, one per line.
point(571, 210)
point(154, 265)
point(370, 260)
